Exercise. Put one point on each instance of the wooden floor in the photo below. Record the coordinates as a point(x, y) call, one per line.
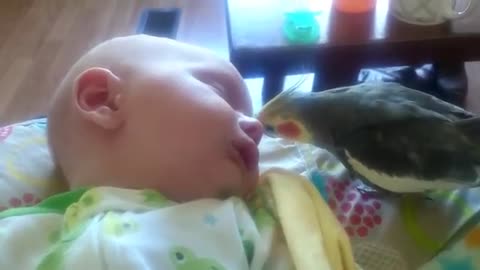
point(40, 39)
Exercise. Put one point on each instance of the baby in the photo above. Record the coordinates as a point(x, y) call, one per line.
point(158, 146)
point(147, 112)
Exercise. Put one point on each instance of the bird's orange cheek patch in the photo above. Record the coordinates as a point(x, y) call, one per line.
point(473, 239)
point(289, 129)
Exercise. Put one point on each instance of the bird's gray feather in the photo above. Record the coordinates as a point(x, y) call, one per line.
point(408, 148)
point(365, 105)
point(394, 129)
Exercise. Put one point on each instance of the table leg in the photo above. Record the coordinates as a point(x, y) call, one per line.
point(272, 84)
point(335, 76)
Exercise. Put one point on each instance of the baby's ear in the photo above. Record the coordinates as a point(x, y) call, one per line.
point(97, 96)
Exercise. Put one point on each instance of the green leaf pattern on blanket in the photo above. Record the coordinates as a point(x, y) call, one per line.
point(78, 211)
point(154, 198)
point(184, 259)
point(75, 223)
point(248, 246)
point(55, 256)
point(116, 225)
point(261, 206)
point(77, 218)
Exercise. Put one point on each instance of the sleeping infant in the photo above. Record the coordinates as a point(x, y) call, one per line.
point(158, 146)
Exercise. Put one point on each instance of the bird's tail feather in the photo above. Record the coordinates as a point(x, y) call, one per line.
point(470, 128)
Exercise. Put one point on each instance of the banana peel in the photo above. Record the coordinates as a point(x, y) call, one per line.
point(315, 238)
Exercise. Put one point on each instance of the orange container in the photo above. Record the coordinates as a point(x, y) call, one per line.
point(354, 6)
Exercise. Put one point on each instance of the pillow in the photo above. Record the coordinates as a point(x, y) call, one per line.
point(27, 173)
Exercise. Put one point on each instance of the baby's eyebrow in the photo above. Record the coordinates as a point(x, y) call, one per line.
point(216, 72)
point(221, 78)
point(232, 85)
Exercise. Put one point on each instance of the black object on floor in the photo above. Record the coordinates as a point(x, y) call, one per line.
point(159, 22)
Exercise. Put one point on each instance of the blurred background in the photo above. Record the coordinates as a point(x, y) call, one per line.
point(40, 39)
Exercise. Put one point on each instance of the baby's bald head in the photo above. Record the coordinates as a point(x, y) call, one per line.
point(134, 111)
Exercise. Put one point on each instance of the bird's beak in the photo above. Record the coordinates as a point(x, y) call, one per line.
point(260, 116)
point(267, 129)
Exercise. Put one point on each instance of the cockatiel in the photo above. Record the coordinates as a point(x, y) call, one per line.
point(394, 138)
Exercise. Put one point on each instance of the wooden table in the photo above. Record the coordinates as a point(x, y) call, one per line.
point(347, 43)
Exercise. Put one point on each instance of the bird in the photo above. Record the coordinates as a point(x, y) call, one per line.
point(395, 139)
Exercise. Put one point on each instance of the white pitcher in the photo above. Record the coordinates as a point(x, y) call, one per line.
point(428, 12)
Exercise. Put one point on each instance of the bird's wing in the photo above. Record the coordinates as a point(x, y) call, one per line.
point(348, 112)
point(396, 93)
point(354, 109)
point(427, 149)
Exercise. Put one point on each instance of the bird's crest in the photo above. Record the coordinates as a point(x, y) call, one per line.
point(280, 105)
point(285, 94)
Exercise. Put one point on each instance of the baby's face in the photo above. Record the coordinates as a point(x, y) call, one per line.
point(186, 132)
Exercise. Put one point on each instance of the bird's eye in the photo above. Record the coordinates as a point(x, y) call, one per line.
point(269, 129)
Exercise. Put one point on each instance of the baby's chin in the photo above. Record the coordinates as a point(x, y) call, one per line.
point(245, 185)
point(251, 182)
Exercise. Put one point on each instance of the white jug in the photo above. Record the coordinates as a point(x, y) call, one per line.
point(428, 12)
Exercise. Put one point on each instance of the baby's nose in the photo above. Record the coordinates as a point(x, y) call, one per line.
point(252, 127)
